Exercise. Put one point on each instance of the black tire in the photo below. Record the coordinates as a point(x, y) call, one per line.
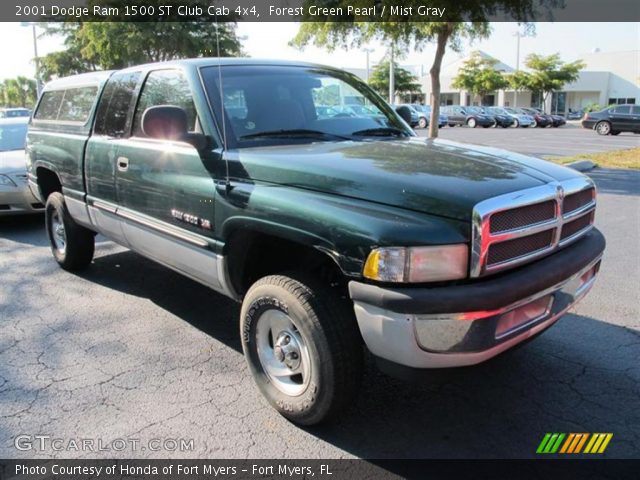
point(603, 128)
point(326, 330)
point(71, 244)
point(452, 125)
point(422, 123)
point(615, 132)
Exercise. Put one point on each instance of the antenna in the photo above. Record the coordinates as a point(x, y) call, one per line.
point(224, 127)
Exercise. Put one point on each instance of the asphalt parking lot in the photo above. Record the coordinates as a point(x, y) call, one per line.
point(568, 140)
point(129, 349)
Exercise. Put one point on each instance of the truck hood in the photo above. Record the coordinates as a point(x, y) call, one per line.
point(12, 161)
point(437, 177)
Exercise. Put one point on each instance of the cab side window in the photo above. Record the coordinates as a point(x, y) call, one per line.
point(165, 87)
point(111, 119)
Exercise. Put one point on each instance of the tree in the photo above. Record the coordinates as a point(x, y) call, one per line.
point(550, 74)
point(404, 80)
point(465, 18)
point(113, 45)
point(18, 92)
point(518, 81)
point(479, 76)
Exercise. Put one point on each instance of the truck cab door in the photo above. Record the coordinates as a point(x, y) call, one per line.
point(165, 189)
point(111, 126)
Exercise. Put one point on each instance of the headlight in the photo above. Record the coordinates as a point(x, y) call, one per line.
point(6, 181)
point(417, 264)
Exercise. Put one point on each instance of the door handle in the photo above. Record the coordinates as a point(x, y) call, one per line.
point(123, 164)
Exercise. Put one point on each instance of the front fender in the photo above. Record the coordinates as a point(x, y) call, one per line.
point(346, 229)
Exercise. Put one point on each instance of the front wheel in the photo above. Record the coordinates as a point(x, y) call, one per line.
point(72, 245)
point(302, 345)
point(422, 123)
point(516, 124)
point(603, 128)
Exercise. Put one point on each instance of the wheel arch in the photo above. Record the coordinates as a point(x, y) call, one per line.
point(47, 179)
point(254, 249)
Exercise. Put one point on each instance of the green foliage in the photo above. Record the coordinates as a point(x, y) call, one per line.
point(518, 81)
point(404, 80)
point(479, 76)
point(550, 74)
point(327, 95)
point(18, 92)
point(113, 45)
point(465, 18)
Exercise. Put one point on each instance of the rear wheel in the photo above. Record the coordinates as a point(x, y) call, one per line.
point(302, 346)
point(471, 123)
point(603, 128)
point(71, 244)
point(534, 124)
point(422, 123)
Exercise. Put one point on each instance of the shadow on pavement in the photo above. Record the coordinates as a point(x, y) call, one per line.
point(580, 376)
point(171, 291)
point(28, 229)
point(616, 181)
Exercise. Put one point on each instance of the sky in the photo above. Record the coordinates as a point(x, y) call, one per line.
point(270, 40)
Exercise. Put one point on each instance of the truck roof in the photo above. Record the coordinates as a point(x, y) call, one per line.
point(81, 80)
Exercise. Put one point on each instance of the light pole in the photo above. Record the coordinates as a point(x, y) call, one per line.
point(35, 53)
point(367, 51)
point(518, 35)
point(392, 77)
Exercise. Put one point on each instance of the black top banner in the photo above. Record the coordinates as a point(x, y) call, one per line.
point(320, 10)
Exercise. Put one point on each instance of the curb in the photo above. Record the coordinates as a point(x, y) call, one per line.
point(582, 165)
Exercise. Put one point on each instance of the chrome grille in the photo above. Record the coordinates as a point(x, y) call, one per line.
point(518, 227)
point(573, 227)
point(516, 248)
point(522, 217)
point(576, 200)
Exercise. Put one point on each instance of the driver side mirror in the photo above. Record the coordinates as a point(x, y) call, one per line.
point(168, 122)
point(405, 113)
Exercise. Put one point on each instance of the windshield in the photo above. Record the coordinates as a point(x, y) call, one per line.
point(474, 110)
point(267, 104)
point(12, 136)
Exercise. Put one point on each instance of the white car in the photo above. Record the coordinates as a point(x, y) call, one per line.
point(15, 196)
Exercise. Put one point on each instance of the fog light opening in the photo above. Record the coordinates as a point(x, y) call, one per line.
point(524, 315)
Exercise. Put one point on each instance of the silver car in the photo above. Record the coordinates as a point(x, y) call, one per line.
point(519, 119)
point(15, 196)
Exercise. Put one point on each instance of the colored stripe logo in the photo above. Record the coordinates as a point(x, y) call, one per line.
point(574, 443)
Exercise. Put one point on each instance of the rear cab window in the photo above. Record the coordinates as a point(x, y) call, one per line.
point(71, 105)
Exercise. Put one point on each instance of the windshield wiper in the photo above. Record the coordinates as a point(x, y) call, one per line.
point(380, 132)
point(294, 133)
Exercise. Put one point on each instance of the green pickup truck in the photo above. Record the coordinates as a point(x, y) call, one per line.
point(334, 230)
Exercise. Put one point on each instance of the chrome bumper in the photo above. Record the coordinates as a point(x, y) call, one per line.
point(468, 338)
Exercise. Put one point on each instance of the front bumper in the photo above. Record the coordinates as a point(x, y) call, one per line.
point(467, 324)
point(16, 200)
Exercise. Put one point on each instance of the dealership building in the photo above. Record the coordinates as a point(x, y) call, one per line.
point(607, 78)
